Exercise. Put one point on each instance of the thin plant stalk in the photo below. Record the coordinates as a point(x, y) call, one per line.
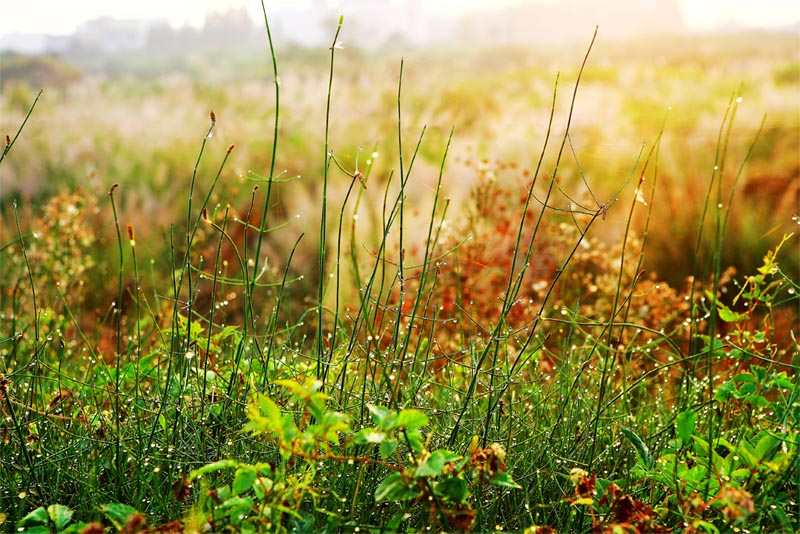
point(323, 225)
point(10, 141)
point(117, 371)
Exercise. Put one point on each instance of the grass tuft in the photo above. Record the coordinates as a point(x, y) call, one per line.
point(486, 363)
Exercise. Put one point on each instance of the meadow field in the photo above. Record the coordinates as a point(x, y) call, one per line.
point(497, 289)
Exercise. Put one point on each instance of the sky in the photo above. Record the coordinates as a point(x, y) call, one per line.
point(61, 17)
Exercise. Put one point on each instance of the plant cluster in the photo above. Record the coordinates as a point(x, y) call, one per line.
point(507, 371)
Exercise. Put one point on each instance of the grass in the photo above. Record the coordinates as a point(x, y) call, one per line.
point(509, 367)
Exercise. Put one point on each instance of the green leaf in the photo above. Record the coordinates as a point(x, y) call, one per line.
point(381, 416)
point(641, 449)
point(225, 463)
point(261, 489)
point(236, 508)
point(741, 475)
point(60, 515)
point(244, 479)
point(37, 517)
point(301, 390)
point(783, 382)
point(454, 489)
point(747, 389)
point(415, 440)
point(369, 435)
point(504, 479)
point(411, 419)
point(697, 477)
point(705, 525)
point(264, 415)
point(747, 453)
point(766, 446)
point(757, 401)
point(395, 488)
point(432, 465)
point(725, 392)
point(744, 378)
point(74, 528)
point(730, 316)
point(388, 446)
point(332, 424)
point(118, 513)
point(685, 424)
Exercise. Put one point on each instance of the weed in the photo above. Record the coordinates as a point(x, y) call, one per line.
point(508, 367)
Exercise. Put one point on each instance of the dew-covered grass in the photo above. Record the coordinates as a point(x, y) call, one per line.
point(349, 301)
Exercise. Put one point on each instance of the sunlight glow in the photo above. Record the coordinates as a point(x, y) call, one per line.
point(63, 17)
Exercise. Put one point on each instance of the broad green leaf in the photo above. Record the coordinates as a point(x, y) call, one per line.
point(757, 401)
point(381, 416)
point(504, 479)
point(225, 463)
point(388, 446)
point(74, 528)
point(700, 446)
point(697, 478)
point(725, 392)
point(432, 465)
point(393, 525)
point(333, 424)
point(453, 489)
point(264, 415)
point(780, 514)
point(766, 446)
point(369, 435)
point(395, 488)
point(415, 440)
point(236, 508)
point(411, 419)
point(60, 515)
point(263, 487)
point(301, 390)
point(705, 525)
point(783, 382)
point(730, 316)
point(747, 389)
point(641, 448)
point(118, 513)
point(237, 503)
point(748, 454)
point(744, 377)
point(264, 468)
point(37, 517)
point(685, 425)
point(317, 407)
point(244, 479)
point(741, 475)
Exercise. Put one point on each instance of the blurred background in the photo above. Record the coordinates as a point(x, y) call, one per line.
point(128, 88)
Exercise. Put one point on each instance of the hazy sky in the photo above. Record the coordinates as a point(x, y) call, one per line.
point(61, 17)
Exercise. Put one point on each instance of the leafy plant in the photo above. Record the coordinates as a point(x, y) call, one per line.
point(267, 495)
